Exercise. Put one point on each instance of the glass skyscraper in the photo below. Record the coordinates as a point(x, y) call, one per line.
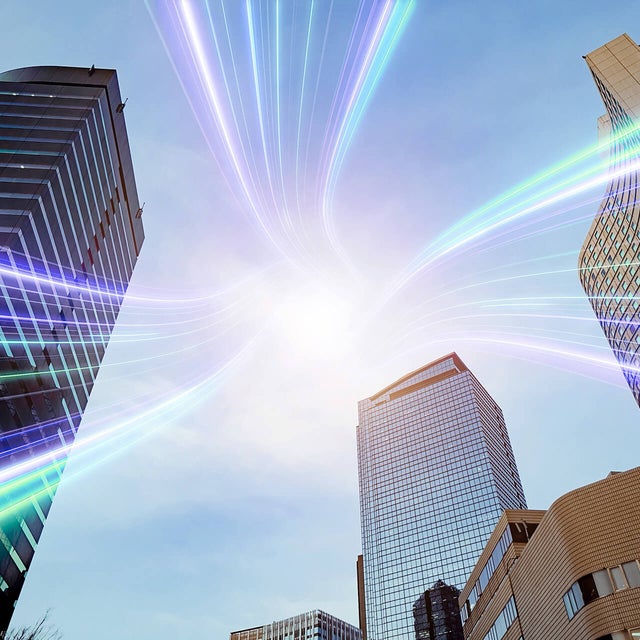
point(609, 263)
point(70, 234)
point(313, 625)
point(436, 471)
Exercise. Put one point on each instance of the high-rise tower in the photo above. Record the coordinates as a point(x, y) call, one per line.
point(70, 234)
point(436, 472)
point(609, 263)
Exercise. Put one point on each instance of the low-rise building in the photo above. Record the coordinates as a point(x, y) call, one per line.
point(306, 626)
point(572, 572)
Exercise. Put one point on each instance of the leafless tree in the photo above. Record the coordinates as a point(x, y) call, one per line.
point(41, 630)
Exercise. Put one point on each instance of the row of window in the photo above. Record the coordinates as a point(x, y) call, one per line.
point(60, 219)
point(515, 532)
point(599, 584)
point(503, 621)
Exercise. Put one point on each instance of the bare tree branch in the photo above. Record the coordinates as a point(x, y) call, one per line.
point(41, 630)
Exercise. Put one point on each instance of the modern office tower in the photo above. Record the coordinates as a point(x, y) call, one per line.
point(577, 574)
point(70, 234)
point(306, 626)
point(609, 262)
point(436, 471)
point(436, 615)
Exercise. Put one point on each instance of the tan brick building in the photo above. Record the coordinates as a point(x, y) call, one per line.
point(571, 573)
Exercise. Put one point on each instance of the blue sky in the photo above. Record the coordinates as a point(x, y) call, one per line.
point(239, 505)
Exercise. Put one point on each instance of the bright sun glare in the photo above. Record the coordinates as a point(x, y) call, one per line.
point(315, 322)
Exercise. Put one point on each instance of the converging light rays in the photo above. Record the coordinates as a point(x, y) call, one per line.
point(279, 90)
point(278, 108)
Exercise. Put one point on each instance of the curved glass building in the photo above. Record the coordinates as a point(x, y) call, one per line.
point(609, 262)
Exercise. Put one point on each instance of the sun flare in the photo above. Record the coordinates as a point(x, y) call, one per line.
point(315, 322)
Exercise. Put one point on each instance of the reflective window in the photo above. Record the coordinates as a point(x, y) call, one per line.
point(436, 472)
point(603, 582)
point(504, 620)
point(632, 573)
point(618, 578)
point(599, 584)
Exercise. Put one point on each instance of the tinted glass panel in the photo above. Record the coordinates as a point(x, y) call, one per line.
point(568, 604)
point(577, 594)
point(603, 582)
point(632, 573)
point(618, 578)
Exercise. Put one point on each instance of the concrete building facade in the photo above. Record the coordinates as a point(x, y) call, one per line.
point(70, 235)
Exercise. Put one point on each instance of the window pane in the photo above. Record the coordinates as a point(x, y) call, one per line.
point(568, 606)
point(588, 588)
point(618, 578)
point(484, 579)
point(577, 594)
point(632, 572)
point(500, 626)
point(635, 634)
point(603, 582)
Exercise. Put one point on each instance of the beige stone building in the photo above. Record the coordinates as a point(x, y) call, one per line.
point(571, 573)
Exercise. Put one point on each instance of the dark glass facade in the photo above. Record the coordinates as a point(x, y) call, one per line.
point(436, 471)
point(436, 615)
point(313, 625)
point(609, 262)
point(70, 234)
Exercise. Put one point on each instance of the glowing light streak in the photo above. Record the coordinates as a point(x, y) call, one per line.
point(489, 219)
point(105, 290)
point(301, 105)
point(21, 475)
point(386, 35)
point(205, 73)
point(586, 154)
point(263, 152)
point(274, 181)
point(258, 94)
